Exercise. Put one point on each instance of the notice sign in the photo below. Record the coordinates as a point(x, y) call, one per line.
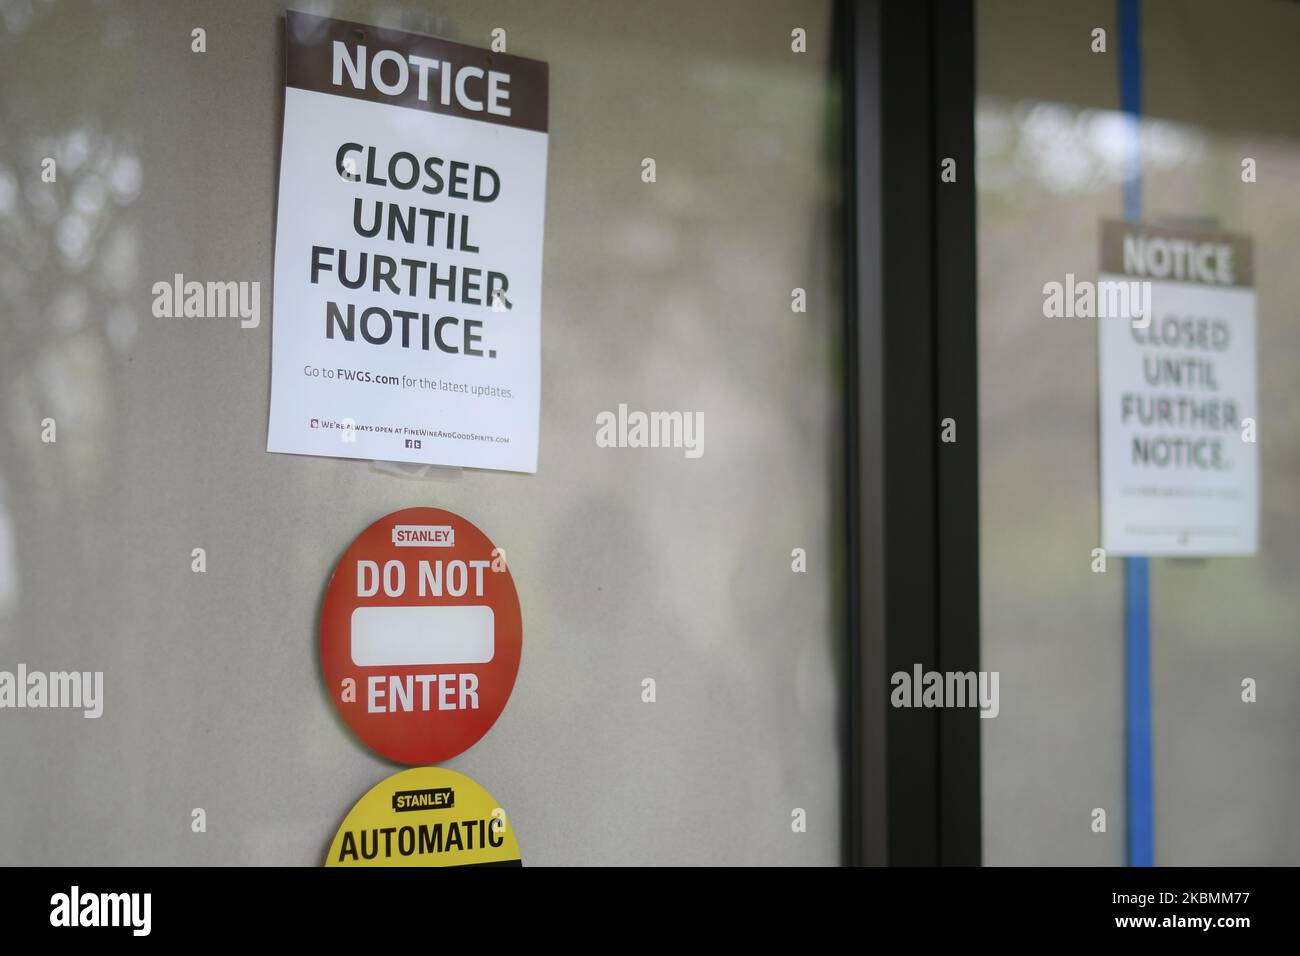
point(408, 253)
point(425, 816)
point(1179, 462)
point(420, 635)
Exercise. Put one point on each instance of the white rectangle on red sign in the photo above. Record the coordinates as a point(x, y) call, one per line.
point(422, 635)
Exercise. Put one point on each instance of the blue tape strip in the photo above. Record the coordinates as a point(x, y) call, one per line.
point(1137, 696)
point(1130, 94)
point(1137, 582)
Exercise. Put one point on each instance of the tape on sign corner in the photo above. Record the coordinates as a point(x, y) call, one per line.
point(425, 816)
point(418, 472)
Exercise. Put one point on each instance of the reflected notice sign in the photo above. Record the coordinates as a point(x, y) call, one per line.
point(408, 254)
point(1177, 387)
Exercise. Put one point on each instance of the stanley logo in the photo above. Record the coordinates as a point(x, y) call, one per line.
point(441, 798)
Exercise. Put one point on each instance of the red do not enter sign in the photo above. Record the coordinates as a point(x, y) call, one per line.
point(421, 635)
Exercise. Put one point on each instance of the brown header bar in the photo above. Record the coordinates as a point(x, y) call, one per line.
point(416, 71)
point(1176, 254)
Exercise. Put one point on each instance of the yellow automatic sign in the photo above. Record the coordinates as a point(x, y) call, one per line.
point(425, 816)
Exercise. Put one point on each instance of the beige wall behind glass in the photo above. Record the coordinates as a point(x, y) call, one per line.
point(1218, 84)
point(630, 564)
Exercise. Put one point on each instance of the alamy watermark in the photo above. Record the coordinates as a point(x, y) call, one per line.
point(1108, 299)
point(75, 908)
point(922, 688)
point(208, 300)
point(634, 429)
point(40, 690)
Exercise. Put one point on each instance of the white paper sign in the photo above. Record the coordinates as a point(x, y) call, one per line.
point(408, 257)
point(1179, 461)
